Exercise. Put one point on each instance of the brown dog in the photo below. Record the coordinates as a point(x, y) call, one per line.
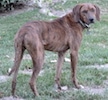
point(58, 36)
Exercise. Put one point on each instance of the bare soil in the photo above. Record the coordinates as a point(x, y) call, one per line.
point(11, 98)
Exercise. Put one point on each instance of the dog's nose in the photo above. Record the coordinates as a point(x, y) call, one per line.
point(91, 20)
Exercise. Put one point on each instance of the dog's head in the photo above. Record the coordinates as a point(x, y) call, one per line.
point(86, 12)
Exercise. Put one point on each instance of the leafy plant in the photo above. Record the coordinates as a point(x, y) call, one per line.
point(7, 5)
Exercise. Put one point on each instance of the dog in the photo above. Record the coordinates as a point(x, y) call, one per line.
point(59, 35)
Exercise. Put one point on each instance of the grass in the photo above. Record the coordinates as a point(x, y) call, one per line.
point(94, 50)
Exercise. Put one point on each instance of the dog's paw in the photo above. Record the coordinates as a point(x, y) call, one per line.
point(15, 96)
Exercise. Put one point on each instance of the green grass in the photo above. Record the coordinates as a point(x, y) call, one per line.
point(94, 50)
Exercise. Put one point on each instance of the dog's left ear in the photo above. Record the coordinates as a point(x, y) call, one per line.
point(97, 12)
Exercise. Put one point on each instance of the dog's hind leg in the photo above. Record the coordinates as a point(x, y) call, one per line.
point(37, 59)
point(19, 50)
point(35, 48)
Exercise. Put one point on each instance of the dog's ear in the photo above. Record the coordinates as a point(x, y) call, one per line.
point(97, 12)
point(76, 12)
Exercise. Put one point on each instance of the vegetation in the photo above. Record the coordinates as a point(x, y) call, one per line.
point(7, 5)
point(93, 51)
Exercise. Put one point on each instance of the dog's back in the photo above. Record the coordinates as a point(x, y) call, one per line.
point(54, 35)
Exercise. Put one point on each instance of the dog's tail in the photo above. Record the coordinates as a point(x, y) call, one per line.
point(19, 50)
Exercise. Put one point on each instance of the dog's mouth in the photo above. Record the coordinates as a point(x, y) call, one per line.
point(88, 24)
point(90, 21)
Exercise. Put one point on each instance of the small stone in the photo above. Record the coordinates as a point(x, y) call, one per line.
point(64, 88)
point(81, 86)
point(67, 59)
point(9, 70)
point(53, 61)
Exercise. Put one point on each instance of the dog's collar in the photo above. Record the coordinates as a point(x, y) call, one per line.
point(84, 24)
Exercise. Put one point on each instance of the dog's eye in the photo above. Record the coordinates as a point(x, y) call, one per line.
point(85, 11)
point(92, 10)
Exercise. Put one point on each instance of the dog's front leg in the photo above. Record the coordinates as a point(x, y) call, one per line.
point(74, 60)
point(59, 69)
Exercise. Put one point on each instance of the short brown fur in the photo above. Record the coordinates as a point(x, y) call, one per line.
point(58, 35)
